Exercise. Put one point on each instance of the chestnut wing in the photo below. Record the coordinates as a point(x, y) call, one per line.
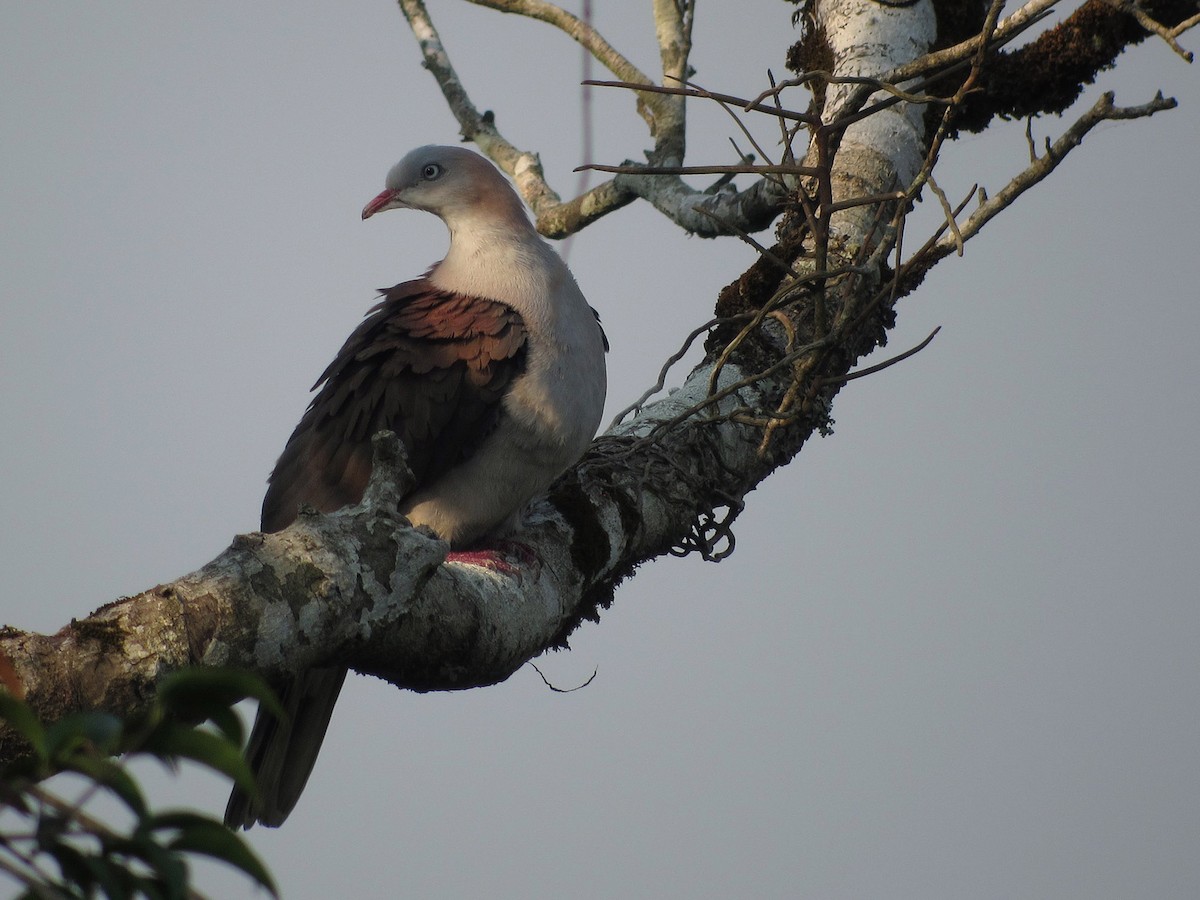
point(433, 366)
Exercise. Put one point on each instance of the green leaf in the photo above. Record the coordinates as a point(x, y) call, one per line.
point(199, 833)
point(199, 693)
point(94, 731)
point(51, 825)
point(176, 818)
point(211, 750)
point(229, 723)
point(107, 874)
point(210, 838)
point(168, 868)
point(113, 776)
point(75, 867)
point(20, 716)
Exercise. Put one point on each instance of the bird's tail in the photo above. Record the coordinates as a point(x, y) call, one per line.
point(281, 753)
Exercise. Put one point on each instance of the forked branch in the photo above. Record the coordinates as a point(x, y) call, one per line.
point(664, 115)
point(1102, 111)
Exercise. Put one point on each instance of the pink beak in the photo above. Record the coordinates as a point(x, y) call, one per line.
point(381, 202)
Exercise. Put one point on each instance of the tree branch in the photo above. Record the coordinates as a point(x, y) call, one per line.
point(673, 28)
point(555, 219)
point(663, 114)
point(1048, 74)
point(361, 588)
point(578, 30)
point(523, 167)
point(1102, 111)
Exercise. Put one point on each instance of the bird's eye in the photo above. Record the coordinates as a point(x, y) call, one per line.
point(431, 172)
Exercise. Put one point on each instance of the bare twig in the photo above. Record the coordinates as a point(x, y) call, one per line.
point(32, 880)
point(939, 65)
point(554, 218)
point(674, 358)
point(555, 688)
point(868, 200)
point(1033, 156)
point(72, 812)
point(1025, 17)
point(879, 367)
point(1102, 111)
point(1155, 27)
point(688, 91)
point(525, 168)
point(949, 213)
point(745, 131)
point(752, 168)
point(579, 31)
point(715, 397)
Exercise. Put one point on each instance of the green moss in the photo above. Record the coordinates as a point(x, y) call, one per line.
point(108, 634)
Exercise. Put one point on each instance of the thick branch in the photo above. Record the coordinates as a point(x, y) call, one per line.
point(1028, 14)
point(720, 209)
point(359, 587)
point(702, 213)
point(1049, 74)
point(673, 28)
point(362, 588)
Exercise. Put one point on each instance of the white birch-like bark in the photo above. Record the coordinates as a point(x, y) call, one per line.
point(884, 151)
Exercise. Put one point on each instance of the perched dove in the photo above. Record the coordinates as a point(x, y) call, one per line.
point(490, 368)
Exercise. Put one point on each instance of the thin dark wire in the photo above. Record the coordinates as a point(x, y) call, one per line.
point(585, 111)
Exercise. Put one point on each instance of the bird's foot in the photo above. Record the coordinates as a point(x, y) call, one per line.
point(495, 558)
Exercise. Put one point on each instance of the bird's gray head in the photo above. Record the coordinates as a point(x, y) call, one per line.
point(450, 182)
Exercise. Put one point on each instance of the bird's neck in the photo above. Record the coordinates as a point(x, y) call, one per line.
point(500, 260)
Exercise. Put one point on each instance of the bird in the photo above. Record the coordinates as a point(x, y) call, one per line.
point(490, 368)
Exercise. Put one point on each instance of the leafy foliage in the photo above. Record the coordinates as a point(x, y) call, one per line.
point(66, 853)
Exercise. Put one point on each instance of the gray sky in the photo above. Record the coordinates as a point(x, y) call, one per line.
point(955, 652)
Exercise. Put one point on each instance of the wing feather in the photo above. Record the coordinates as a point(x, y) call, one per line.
point(428, 364)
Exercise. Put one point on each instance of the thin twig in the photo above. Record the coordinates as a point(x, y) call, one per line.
point(762, 251)
point(558, 690)
point(578, 30)
point(525, 168)
point(868, 200)
point(949, 213)
point(1025, 17)
point(742, 126)
point(32, 880)
point(754, 169)
point(749, 106)
point(1102, 111)
point(871, 370)
point(90, 824)
point(555, 218)
point(674, 358)
point(1155, 27)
